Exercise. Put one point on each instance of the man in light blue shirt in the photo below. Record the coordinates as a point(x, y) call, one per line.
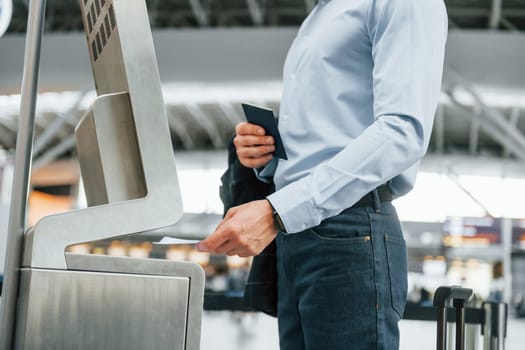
point(361, 85)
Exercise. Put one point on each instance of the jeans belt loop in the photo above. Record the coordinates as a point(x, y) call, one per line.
point(377, 200)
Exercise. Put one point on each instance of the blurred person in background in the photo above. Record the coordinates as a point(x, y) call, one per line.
point(360, 89)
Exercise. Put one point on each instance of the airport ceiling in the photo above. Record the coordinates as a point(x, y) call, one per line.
point(480, 113)
point(465, 14)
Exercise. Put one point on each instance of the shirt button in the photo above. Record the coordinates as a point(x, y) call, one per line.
point(303, 226)
point(293, 76)
point(285, 117)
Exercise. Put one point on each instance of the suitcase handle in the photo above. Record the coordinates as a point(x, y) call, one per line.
point(459, 296)
point(444, 294)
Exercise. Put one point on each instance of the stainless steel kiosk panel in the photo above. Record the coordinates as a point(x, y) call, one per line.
point(73, 301)
point(124, 64)
point(108, 152)
point(123, 303)
point(117, 297)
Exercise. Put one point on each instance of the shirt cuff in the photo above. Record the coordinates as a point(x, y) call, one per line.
point(295, 208)
point(265, 174)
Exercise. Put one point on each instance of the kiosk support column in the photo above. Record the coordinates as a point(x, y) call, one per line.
point(24, 144)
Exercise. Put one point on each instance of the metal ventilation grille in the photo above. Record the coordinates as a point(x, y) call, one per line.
point(100, 20)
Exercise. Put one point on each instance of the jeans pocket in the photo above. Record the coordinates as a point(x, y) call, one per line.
point(397, 272)
point(340, 237)
point(352, 225)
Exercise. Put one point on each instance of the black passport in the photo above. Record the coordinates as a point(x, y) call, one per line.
point(264, 117)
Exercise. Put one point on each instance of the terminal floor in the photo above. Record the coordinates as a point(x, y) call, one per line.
point(242, 331)
point(255, 331)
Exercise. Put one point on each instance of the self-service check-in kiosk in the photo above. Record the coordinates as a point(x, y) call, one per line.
point(73, 301)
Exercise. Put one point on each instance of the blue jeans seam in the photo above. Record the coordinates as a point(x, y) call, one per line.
point(374, 256)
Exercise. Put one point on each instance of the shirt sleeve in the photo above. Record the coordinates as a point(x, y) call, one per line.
point(408, 42)
point(265, 173)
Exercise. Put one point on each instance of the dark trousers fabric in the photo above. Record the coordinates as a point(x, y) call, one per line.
point(343, 284)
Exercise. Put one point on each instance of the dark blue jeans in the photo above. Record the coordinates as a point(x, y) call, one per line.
point(343, 284)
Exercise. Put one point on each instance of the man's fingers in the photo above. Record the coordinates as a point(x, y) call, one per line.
point(213, 241)
point(225, 233)
point(236, 248)
point(245, 128)
point(250, 141)
point(254, 149)
point(228, 248)
point(226, 239)
point(243, 231)
point(254, 152)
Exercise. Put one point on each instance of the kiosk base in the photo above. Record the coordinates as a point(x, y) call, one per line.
point(65, 309)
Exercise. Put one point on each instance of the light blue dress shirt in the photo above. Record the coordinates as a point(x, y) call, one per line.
point(361, 85)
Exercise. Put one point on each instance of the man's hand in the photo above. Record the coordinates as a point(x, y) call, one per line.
point(245, 231)
point(254, 148)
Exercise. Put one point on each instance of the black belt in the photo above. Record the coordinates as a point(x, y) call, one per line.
point(383, 194)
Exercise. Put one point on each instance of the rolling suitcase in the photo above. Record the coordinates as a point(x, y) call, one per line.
point(458, 296)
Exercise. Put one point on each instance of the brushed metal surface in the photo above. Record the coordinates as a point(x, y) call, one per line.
point(193, 271)
point(4, 218)
point(24, 150)
point(84, 310)
point(108, 152)
point(123, 63)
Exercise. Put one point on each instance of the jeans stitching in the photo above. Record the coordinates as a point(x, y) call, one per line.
point(397, 241)
point(345, 240)
point(370, 211)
